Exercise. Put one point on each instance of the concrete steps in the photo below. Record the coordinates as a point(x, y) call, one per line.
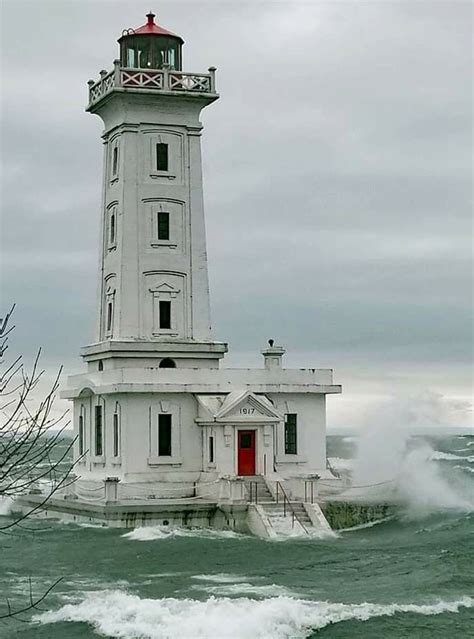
point(267, 518)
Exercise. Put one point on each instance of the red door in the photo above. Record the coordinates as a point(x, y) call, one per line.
point(246, 452)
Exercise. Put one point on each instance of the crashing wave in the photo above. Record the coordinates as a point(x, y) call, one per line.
point(118, 614)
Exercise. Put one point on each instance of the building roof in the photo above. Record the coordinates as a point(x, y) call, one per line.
point(150, 28)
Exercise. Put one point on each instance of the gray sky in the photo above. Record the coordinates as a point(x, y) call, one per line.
point(337, 169)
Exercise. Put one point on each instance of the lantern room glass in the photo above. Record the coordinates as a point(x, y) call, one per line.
point(150, 52)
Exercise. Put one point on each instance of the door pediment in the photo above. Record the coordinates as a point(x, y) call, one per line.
point(247, 407)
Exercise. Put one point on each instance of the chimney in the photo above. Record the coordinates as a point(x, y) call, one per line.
point(273, 356)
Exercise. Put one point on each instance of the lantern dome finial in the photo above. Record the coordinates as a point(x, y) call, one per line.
point(151, 17)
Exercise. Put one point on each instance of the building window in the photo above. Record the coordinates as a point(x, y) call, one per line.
point(163, 226)
point(167, 362)
point(110, 316)
point(98, 431)
point(116, 434)
point(161, 157)
point(290, 434)
point(100, 365)
point(211, 449)
point(81, 434)
point(164, 435)
point(165, 314)
point(112, 228)
point(114, 161)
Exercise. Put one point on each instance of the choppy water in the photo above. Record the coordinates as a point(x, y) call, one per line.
point(408, 577)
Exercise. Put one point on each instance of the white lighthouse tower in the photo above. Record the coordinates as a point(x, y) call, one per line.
point(155, 409)
point(154, 291)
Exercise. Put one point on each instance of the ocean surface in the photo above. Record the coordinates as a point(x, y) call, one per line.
point(410, 576)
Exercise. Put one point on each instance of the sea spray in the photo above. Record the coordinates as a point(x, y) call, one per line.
point(6, 504)
point(392, 464)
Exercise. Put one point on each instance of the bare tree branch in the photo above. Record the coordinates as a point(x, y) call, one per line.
point(35, 457)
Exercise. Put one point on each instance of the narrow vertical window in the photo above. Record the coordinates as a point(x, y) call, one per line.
point(116, 434)
point(211, 449)
point(164, 435)
point(98, 431)
point(163, 226)
point(81, 434)
point(115, 161)
point(290, 434)
point(112, 228)
point(165, 314)
point(110, 315)
point(161, 157)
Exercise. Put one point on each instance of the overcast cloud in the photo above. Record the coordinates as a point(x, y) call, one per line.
point(338, 182)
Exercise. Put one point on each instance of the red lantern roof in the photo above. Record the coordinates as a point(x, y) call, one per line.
point(150, 28)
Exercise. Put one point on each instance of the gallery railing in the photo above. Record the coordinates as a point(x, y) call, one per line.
point(165, 79)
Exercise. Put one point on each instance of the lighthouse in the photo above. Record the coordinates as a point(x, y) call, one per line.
point(156, 409)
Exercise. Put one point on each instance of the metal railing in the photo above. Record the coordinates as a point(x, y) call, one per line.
point(165, 79)
point(253, 492)
point(287, 505)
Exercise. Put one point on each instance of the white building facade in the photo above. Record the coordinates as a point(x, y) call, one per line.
point(156, 405)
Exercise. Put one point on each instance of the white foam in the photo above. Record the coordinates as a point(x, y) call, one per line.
point(440, 455)
point(340, 463)
point(6, 504)
point(153, 533)
point(468, 468)
point(118, 614)
point(369, 524)
point(245, 588)
point(223, 578)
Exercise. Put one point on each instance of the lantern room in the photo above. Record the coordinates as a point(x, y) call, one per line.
point(150, 47)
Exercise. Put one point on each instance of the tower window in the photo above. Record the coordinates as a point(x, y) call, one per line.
point(112, 228)
point(163, 226)
point(161, 157)
point(290, 434)
point(98, 431)
point(116, 434)
point(211, 449)
point(164, 435)
point(110, 316)
point(81, 434)
point(115, 161)
point(165, 314)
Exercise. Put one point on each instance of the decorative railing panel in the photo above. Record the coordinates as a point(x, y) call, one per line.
point(189, 82)
point(144, 79)
point(156, 80)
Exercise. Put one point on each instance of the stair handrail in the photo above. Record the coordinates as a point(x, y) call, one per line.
point(287, 501)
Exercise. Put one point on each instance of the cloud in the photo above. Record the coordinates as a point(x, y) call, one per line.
point(337, 168)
